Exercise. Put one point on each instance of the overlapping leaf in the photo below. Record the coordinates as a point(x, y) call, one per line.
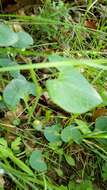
point(24, 40)
point(72, 92)
point(52, 133)
point(7, 36)
point(71, 133)
point(17, 89)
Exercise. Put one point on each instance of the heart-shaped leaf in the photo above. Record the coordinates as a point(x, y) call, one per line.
point(17, 89)
point(24, 40)
point(52, 133)
point(72, 92)
point(7, 36)
point(71, 133)
point(36, 161)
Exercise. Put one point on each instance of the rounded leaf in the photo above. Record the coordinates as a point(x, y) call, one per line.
point(71, 133)
point(66, 134)
point(101, 123)
point(72, 92)
point(36, 161)
point(7, 36)
point(24, 40)
point(52, 133)
point(17, 89)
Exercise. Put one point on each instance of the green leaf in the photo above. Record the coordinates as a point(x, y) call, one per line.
point(84, 185)
point(5, 62)
point(104, 171)
point(103, 93)
point(55, 146)
point(59, 172)
point(16, 160)
point(15, 145)
point(3, 142)
point(56, 58)
point(24, 40)
point(62, 187)
point(66, 134)
point(71, 133)
point(69, 160)
point(52, 133)
point(17, 89)
point(72, 185)
point(101, 124)
point(72, 92)
point(36, 161)
point(7, 36)
point(84, 128)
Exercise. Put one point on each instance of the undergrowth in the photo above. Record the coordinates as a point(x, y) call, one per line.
point(53, 97)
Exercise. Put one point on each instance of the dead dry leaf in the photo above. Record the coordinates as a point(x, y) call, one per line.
point(99, 112)
point(90, 24)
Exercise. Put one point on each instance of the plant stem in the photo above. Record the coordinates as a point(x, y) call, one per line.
point(74, 62)
point(38, 90)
